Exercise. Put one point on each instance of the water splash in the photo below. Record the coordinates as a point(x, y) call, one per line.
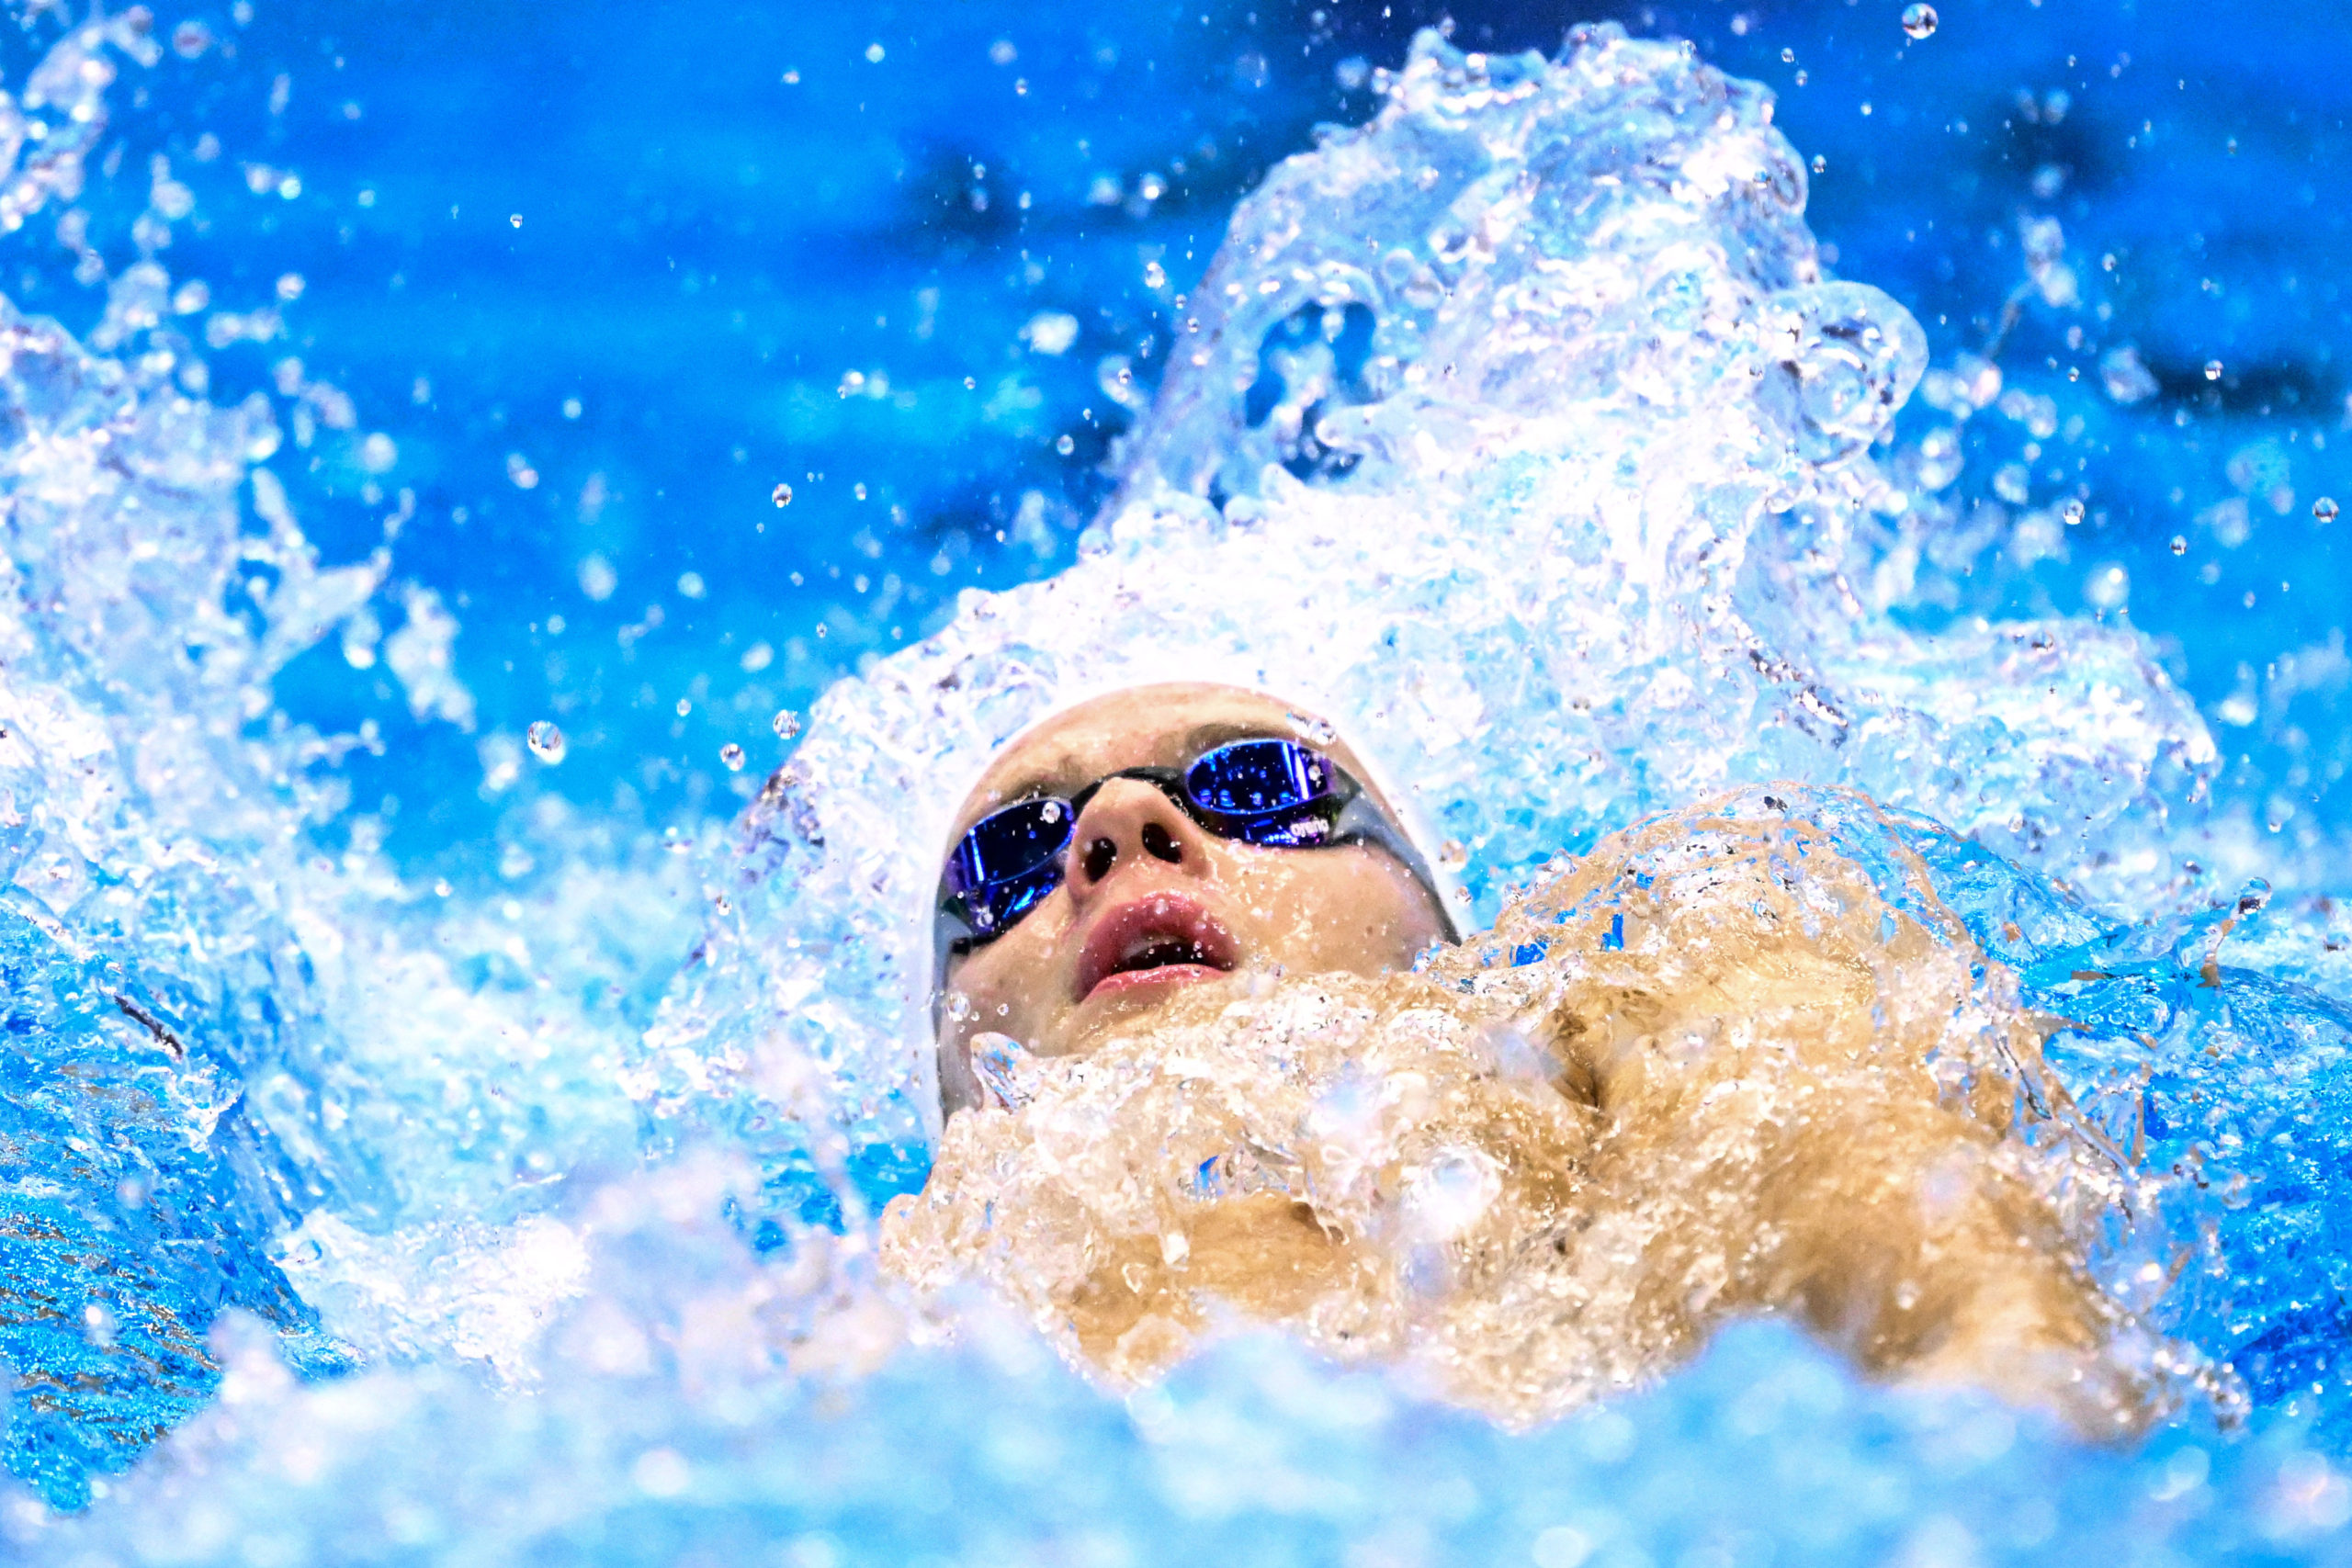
point(1739, 1059)
point(219, 1026)
point(582, 1265)
point(1610, 429)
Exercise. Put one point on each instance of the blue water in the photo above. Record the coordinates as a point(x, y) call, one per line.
point(706, 251)
point(345, 1068)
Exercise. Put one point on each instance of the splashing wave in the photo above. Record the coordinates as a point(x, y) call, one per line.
point(1522, 428)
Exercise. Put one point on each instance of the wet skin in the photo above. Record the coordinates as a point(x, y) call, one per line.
point(1152, 904)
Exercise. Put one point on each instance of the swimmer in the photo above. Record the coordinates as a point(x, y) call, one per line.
point(1159, 840)
point(1745, 1120)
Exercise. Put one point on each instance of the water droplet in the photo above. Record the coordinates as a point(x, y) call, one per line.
point(2179, 545)
point(959, 1006)
point(1820, 164)
point(2071, 512)
point(1065, 446)
point(787, 724)
point(732, 755)
point(546, 741)
point(781, 495)
point(1788, 57)
point(1006, 1072)
point(2253, 895)
point(99, 1325)
point(2212, 370)
point(1919, 21)
point(685, 706)
point(516, 219)
point(2324, 509)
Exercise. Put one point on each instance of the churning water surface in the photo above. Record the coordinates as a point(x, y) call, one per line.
point(454, 1071)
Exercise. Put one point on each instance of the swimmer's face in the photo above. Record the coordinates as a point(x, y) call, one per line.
point(1152, 904)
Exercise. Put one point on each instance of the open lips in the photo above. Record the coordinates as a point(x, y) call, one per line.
point(1159, 939)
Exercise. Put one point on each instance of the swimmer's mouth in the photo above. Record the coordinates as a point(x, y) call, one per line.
point(1162, 939)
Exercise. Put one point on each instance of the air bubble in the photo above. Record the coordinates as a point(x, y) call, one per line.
point(732, 755)
point(2212, 370)
point(781, 495)
point(1820, 164)
point(546, 741)
point(787, 723)
point(2071, 512)
point(2324, 510)
point(1919, 21)
point(1066, 446)
point(2179, 545)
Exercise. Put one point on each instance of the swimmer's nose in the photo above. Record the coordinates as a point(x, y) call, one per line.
point(1129, 822)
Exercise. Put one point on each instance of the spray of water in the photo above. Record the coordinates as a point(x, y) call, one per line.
point(1522, 429)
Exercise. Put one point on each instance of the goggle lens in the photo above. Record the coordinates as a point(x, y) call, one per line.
point(1009, 860)
point(1250, 778)
point(1274, 793)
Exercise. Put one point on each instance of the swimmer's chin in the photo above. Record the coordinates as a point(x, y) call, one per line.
point(1122, 999)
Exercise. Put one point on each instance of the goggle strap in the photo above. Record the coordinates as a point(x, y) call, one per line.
point(1363, 823)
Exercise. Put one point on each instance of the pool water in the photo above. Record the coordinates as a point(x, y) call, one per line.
point(454, 1073)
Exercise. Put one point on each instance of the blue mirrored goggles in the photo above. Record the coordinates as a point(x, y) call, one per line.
point(1274, 792)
